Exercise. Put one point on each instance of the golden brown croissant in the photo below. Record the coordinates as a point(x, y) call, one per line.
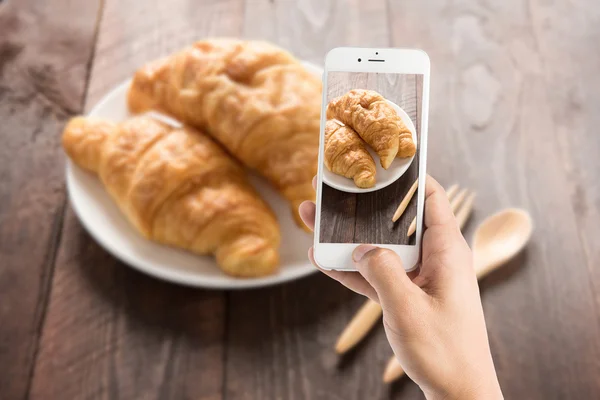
point(345, 154)
point(406, 145)
point(375, 121)
point(179, 188)
point(254, 98)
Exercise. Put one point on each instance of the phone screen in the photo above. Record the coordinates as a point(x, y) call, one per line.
point(359, 196)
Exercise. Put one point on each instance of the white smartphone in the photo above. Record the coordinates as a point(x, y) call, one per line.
point(358, 210)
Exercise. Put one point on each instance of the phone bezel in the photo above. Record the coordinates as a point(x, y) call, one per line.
point(338, 256)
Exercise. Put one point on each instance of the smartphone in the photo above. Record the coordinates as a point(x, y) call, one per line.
point(373, 95)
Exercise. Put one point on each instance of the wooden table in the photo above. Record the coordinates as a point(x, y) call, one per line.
point(367, 217)
point(514, 115)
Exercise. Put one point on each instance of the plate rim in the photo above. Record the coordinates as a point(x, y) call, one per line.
point(166, 274)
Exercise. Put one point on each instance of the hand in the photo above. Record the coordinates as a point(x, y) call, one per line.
point(433, 319)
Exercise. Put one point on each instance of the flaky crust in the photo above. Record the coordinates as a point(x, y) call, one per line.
point(369, 114)
point(254, 98)
point(179, 188)
point(346, 154)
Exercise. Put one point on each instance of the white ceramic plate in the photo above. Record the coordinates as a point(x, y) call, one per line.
point(384, 177)
point(105, 223)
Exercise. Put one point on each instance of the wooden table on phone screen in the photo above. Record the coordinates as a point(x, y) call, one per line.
point(514, 101)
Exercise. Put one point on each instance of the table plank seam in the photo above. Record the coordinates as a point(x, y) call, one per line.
point(225, 342)
point(46, 284)
point(90, 63)
point(58, 223)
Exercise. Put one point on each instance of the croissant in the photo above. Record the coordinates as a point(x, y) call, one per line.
point(178, 187)
point(406, 145)
point(345, 154)
point(254, 98)
point(369, 114)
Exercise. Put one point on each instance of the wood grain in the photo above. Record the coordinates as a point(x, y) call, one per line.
point(111, 332)
point(44, 56)
point(513, 116)
point(573, 96)
point(133, 34)
point(507, 105)
point(367, 217)
point(280, 340)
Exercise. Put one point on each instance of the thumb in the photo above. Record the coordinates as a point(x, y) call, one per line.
point(383, 269)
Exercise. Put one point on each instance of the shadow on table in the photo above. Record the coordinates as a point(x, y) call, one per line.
point(245, 316)
point(506, 272)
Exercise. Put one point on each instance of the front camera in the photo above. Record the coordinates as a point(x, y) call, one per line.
point(359, 60)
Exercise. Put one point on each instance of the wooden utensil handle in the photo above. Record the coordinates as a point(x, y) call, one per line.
point(457, 200)
point(462, 215)
point(362, 322)
point(449, 193)
point(393, 371)
point(405, 201)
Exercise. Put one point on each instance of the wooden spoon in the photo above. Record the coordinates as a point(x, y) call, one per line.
point(497, 239)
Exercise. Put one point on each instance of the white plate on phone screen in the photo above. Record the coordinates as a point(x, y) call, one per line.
point(383, 177)
point(104, 221)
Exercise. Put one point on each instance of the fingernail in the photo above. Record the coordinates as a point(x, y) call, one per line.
point(361, 250)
